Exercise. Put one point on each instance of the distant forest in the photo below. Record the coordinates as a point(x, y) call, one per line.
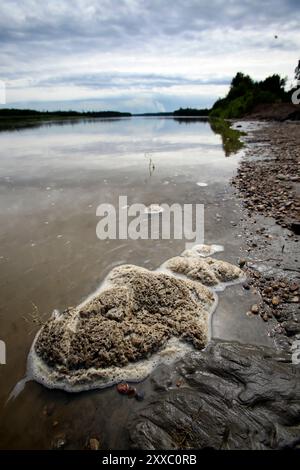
point(31, 113)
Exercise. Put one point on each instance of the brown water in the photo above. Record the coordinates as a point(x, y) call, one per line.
point(52, 178)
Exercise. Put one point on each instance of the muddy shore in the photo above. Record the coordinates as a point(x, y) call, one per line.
point(232, 395)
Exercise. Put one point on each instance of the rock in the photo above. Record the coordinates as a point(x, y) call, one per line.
point(255, 309)
point(237, 397)
point(292, 328)
point(242, 262)
point(59, 442)
point(139, 396)
point(275, 300)
point(131, 392)
point(94, 444)
point(123, 388)
point(295, 227)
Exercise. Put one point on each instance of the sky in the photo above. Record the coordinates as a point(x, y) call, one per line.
point(140, 55)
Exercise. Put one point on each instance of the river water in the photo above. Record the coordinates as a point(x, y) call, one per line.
point(52, 179)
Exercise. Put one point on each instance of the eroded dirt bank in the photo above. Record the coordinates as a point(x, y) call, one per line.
point(231, 395)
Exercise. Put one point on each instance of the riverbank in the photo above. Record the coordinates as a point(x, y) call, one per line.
point(268, 183)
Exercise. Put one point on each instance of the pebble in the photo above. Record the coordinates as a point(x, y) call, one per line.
point(123, 388)
point(59, 442)
point(255, 309)
point(139, 396)
point(131, 392)
point(275, 300)
point(94, 444)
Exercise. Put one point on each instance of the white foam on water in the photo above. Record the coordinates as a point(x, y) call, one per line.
point(154, 209)
point(202, 185)
point(203, 250)
point(101, 378)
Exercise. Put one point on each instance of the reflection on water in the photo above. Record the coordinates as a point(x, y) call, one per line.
point(12, 125)
point(52, 178)
point(191, 120)
point(230, 137)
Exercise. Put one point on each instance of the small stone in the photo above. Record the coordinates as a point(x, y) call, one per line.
point(275, 300)
point(94, 444)
point(255, 309)
point(295, 299)
point(242, 262)
point(123, 388)
point(139, 396)
point(295, 227)
point(268, 290)
point(131, 392)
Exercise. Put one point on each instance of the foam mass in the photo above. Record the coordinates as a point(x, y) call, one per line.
point(137, 319)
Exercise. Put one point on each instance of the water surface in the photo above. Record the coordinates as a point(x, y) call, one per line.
point(52, 178)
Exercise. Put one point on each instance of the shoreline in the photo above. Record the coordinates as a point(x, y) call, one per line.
point(271, 254)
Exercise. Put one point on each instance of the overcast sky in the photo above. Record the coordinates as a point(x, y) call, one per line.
point(140, 55)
